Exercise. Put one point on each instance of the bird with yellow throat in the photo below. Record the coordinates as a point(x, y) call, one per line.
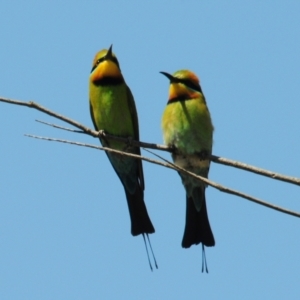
point(188, 129)
point(113, 110)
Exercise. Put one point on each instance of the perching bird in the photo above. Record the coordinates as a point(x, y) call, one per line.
point(113, 110)
point(187, 127)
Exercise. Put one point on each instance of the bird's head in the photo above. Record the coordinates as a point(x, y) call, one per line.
point(184, 84)
point(105, 67)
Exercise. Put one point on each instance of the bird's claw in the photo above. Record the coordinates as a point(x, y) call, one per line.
point(101, 133)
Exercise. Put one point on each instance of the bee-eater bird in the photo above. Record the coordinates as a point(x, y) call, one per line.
point(187, 127)
point(113, 110)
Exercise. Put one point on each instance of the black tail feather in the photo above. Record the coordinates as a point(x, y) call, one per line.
point(197, 228)
point(140, 220)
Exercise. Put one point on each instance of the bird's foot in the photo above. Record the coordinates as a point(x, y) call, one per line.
point(102, 136)
point(101, 133)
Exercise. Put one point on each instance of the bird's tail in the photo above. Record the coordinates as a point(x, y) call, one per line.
point(140, 220)
point(197, 228)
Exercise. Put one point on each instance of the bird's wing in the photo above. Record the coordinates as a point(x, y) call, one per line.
point(133, 112)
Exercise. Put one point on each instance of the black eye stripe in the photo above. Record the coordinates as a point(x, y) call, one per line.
point(97, 63)
point(100, 60)
point(191, 84)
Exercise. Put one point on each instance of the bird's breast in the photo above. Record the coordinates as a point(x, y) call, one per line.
point(110, 109)
point(187, 126)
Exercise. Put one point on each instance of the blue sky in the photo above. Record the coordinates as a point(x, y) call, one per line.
point(64, 222)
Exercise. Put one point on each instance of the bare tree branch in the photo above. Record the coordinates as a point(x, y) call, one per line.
point(167, 164)
point(170, 165)
point(87, 130)
point(213, 158)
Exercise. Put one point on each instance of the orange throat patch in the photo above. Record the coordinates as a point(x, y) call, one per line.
point(178, 90)
point(106, 69)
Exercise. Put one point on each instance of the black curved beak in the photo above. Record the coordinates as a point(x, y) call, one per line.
point(170, 77)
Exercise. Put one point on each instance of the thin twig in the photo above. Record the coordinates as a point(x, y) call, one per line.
point(256, 170)
point(177, 168)
point(167, 164)
point(59, 127)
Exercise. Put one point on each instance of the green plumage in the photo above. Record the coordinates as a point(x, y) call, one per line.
point(187, 126)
